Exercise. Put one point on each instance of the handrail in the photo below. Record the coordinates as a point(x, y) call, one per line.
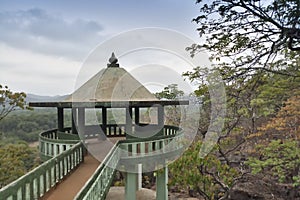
point(37, 182)
point(159, 145)
point(52, 142)
point(98, 185)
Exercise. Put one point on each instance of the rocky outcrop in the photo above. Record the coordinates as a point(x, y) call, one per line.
point(258, 188)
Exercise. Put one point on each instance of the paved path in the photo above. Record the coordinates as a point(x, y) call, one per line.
point(69, 187)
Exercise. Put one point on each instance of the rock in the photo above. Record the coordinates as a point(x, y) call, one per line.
point(257, 188)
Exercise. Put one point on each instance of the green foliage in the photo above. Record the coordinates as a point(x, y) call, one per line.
point(249, 35)
point(208, 176)
point(281, 159)
point(10, 101)
point(26, 125)
point(256, 49)
point(173, 114)
point(170, 92)
point(15, 161)
point(251, 100)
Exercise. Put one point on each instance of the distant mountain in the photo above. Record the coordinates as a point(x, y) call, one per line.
point(39, 98)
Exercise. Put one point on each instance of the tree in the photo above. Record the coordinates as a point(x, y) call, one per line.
point(249, 103)
point(173, 113)
point(280, 159)
point(285, 125)
point(250, 35)
point(277, 149)
point(16, 160)
point(10, 101)
point(170, 92)
point(209, 177)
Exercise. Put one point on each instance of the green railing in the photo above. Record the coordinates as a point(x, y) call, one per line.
point(98, 185)
point(158, 146)
point(53, 142)
point(111, 130)
point(36, 183)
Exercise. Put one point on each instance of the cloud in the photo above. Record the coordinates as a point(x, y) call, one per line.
point(42, 32)
point(36, 73)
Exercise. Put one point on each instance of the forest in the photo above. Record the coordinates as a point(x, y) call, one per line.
point(19, 131)
point(255, 49)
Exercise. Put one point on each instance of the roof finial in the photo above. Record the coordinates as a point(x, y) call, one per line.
point(113, 61)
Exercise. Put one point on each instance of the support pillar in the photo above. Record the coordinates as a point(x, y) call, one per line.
point(161, 119)
point(130, 186)
point(128, 126)
point(104, 124)
point(81, 120)
point(161, 184)
point(137, 115)
point(60, 119)
point(74, 120)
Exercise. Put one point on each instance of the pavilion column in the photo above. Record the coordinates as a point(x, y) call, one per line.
point(140, 166)
point(74, 120)
point(137, 115)
point(161, 118)
point(128, 126)
point(104, 123)
point(162, 184)
point(81, 120)
point(60, 119)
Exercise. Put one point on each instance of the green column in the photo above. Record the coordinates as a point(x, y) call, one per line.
point(128, 126)
point(161, 184)
point(130, 186)
point(74, 120)
point(81, 119)
point(161, 117)
point(104, 124)
point(137, 115)
point(60, 119)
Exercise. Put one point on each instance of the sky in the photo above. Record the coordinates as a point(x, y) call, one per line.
point(43, 44)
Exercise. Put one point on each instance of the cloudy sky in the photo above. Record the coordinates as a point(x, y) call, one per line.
point(43, 44)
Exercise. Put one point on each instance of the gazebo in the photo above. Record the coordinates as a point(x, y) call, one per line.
point(113, 88)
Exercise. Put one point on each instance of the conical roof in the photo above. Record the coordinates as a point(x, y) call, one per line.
point(111, 84)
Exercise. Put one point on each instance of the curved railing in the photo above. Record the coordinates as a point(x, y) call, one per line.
point(53, 142)
point(152, 147)
point(37, 182)
point(111, 130)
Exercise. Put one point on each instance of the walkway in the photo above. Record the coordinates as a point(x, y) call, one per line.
point(72, 184)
